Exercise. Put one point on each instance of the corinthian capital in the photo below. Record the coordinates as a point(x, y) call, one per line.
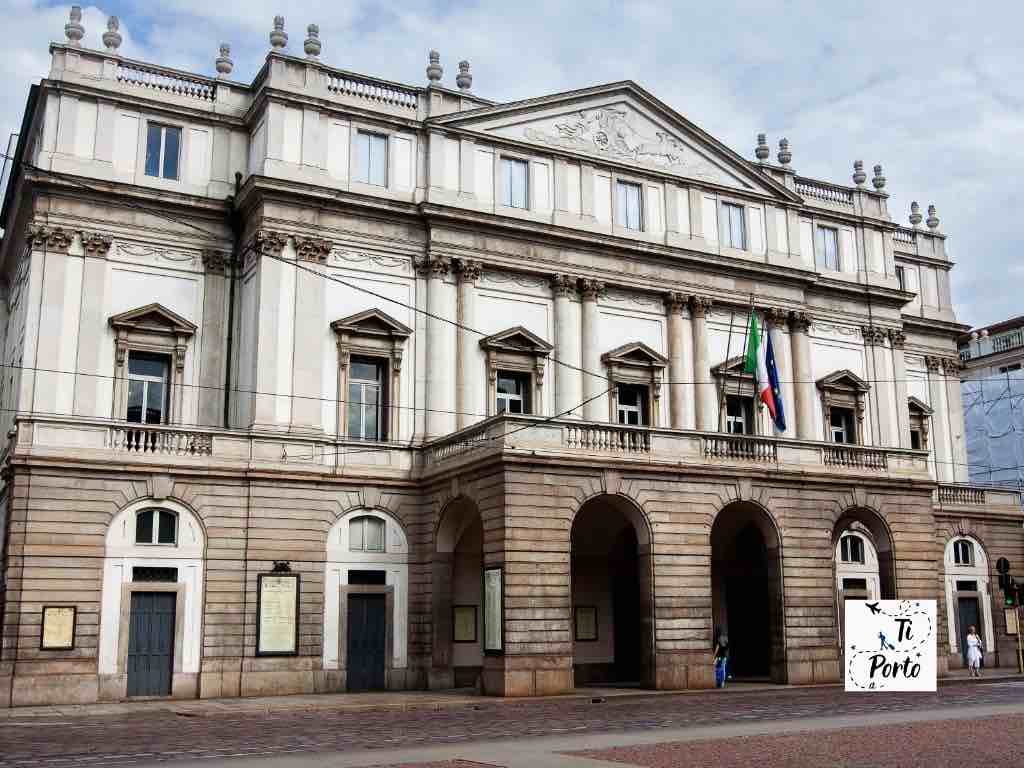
point(800, 322)
point(933, 363)
point(469, 270)
point(50, 238)
point(313, 249)
point(96, 244)
point(897, 338)
point(216, 262)
point(591, 290)
point(676, 302)
point(873, 335)
point(434, 266)
point(699, 305)
point(269, 243)
point(563, 285)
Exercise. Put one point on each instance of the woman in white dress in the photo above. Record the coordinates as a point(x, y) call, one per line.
point(974, 652)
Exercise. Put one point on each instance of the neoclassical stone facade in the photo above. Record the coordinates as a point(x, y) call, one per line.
point(325, 383)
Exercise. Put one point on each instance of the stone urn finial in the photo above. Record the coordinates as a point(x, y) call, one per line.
point(465, 78)
point(224, 63)
point(312, 45)
point(933, 219)
point(878, 180)
point(859, 177)
point(915, 214)
point(73, 30)
point(278, 37)
point(112, 37)
point(434, 70)
point(761, 151)
point(785, 156)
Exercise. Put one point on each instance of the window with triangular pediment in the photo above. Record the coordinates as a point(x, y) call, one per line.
point(515, 361)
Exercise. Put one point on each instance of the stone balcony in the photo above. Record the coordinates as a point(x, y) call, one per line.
point(169, 448)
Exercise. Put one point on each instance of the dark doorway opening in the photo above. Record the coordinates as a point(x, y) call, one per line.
point(151, 643)
point(366, 646)
point(625, 584)
point(968, 615)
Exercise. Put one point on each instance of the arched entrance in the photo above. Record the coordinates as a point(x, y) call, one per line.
point(746, 591)
point(966, 577)
point(458, 597)
point(610, 571)
point(864, 565)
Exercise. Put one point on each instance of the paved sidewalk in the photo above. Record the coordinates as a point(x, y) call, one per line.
point(390, 700)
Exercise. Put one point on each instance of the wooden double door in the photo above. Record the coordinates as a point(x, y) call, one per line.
point(151, 643)
point(367, 642)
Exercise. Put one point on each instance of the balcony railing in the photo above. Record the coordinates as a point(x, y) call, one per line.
point(961, 494)
point(159, 439)
point(855, 457)
point(612, 439)
point(165, 81)
point(741, 448)
point(904, 236)
point(377, 92)
point(829, 193)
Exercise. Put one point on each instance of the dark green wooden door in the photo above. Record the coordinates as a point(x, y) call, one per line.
point(151, 643)
point(367, 630)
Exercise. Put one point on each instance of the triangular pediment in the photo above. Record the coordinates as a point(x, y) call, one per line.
point(516, 339)
point(619, 123)
point(919, 406)
point(635, 353)
point(732, 367)
point(371, 322)
point(153, 318)
point(844, 379)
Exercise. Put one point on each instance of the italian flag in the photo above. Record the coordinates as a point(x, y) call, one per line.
point(761, 363)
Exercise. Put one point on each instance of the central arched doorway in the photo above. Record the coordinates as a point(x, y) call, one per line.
point(612, 630)
point(746, 591)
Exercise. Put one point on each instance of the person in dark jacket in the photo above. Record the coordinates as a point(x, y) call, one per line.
point(721, 659)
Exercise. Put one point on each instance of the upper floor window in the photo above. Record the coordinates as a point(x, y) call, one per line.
point(826, 247)
point(734, 226)
point(366, 399)
point(366, 534)
point(851, 549)
point(156, 526)
point(513, 392)
point(901, 277)
point(163, 148)
point(1009, 368)
point(148, 388)
point(739, 415)
point(632, 404)
point(628, 205)
point(841, 425)
point(963, 552)
point(516, 186)
point(372, 158)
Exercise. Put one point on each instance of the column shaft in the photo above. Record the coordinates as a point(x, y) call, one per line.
point(957, 432)
point(899, 371)
point(596, 407)
point(568, 378)
point(675, 304)
point(470, 386)
point(705, 398)
point(803, 383)
point(440, 388)
point(940, 420)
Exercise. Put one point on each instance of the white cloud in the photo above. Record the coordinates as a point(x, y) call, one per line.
point(931, 92)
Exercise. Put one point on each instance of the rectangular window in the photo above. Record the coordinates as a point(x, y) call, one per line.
point(734, 226)
point(148, 384)
point(628, 205)
point(915, 439)
point(632, 404)
point(739, 415)
point(861, 585)
point(966, 586)
point(963, 552)
point(841, 425)
point(372, 158)
point(516, 187)
point(851, 549)
point(368, 578)
point(513, 392)
point(366, 400)
point(163, 148)
point(901, 277)
point(826, 247)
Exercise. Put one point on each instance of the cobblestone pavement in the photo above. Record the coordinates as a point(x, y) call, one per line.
point(152, 737)
point(995, 741)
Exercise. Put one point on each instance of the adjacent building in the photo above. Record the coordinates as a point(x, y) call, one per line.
point(325, 382)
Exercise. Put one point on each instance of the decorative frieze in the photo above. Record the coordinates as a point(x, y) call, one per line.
point(312, 249)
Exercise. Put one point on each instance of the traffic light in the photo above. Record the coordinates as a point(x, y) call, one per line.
point(1011, 591)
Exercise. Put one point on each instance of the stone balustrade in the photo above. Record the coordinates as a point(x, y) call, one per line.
point(855, 457)
point(375, 92)
point(162, 81)
point(741, 448)
point(824, 192)
point(163, 440)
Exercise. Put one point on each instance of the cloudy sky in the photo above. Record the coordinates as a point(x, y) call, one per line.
point(933, 91)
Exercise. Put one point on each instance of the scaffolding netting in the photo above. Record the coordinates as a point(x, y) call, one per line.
point(994, 422)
